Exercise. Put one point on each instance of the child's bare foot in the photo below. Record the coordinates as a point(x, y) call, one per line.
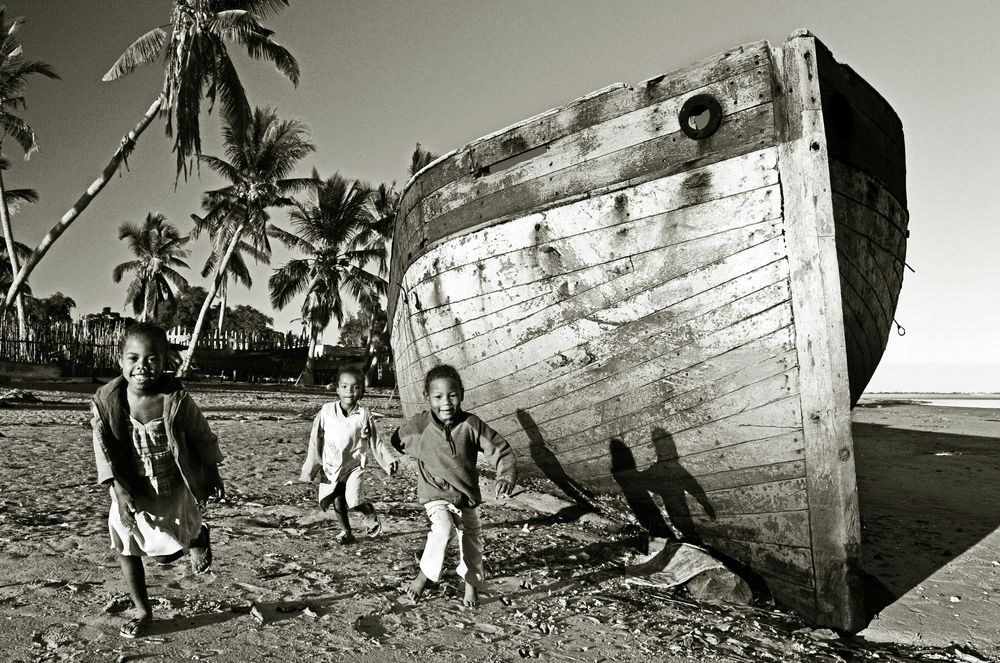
point(201, 552)
point(471, 599)
point(136, 627)
point(416, 587)
point(345, 538)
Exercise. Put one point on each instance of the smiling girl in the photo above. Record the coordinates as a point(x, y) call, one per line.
point(159, 458)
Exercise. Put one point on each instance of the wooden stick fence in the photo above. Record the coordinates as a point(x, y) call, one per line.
point(90, 348)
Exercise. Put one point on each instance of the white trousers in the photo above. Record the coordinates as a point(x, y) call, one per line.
point(451, 522)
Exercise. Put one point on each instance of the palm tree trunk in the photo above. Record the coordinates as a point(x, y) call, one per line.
point(127, 143)
point(307, 377)
point(8, 236)
point(220, 269)
point(222, 304)
point(372, 354)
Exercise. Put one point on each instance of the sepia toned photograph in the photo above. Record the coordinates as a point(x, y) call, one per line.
point(566, 330)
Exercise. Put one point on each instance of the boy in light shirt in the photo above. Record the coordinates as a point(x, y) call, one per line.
point(343, 433)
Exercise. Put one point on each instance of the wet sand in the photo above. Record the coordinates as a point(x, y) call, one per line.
point(282, 590)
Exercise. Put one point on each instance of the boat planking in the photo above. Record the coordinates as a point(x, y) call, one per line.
point(676, 291)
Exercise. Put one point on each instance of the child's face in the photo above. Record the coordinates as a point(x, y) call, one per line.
point(444, 397)
point(350, 390)
point(142, 362)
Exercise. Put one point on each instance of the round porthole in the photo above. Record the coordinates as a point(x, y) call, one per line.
point(700, 116)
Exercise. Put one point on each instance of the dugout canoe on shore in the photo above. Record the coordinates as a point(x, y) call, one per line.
point(676, 291)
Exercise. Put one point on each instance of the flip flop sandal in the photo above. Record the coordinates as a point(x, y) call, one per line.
point(345, 538)
point(375, 528)
point(134, 628)
point(201, 562)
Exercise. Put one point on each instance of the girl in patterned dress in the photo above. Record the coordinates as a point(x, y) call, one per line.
point(159, 458)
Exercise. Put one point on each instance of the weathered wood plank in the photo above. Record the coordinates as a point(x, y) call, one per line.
point(634, 352)
point(600, 246)
point(539, 130)
point(791, 563)
point(667, 275)
point(775, 496)
point(615, 311)
point(483, 366)
point(802, 599)
point(741, 133)
point(594, 108)
point(819, 327)
point(790, 528)
point(735, 94)
point(738, 408)
point(742, 174)
point(865, 190)
point(580, 421)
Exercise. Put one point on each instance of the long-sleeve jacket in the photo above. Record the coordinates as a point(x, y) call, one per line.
point(191, 441)
point(446, 456)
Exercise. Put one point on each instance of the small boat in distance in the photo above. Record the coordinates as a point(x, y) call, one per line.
point(676, 291)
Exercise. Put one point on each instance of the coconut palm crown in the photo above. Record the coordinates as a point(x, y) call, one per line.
point(333, 265)
point(159, 249)
point(197, 67)
point(260, 156)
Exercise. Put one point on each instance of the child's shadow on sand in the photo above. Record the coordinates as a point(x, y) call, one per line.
point(272, 612)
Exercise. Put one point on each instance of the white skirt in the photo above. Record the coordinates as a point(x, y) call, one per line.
point(164, 524)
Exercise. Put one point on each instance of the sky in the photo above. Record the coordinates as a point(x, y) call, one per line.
point(377, 77)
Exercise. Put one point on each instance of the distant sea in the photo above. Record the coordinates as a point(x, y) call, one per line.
point(983, 401)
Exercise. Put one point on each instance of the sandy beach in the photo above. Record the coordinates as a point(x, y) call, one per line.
point(560, 588)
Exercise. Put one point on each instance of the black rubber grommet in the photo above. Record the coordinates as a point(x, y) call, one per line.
point(696, 106)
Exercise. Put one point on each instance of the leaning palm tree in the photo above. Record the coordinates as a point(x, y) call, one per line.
point(159, 249)
point(7, 274)
point(327, 226)
point(197, 66)
point(261, 155)
point(14, 74)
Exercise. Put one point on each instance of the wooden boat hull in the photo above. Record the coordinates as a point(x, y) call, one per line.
point(686, 320)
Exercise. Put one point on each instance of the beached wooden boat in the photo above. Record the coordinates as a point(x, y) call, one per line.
point(679, 290)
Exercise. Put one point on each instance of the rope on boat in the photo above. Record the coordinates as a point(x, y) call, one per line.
point(900, 329)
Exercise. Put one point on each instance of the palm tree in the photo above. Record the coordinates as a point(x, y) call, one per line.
point(197, 66)
point(6, 273)
point(14, 73)
point(158, 248)
point(332, 266)
point(236, 269)
point(261, 156)
point(376, 236)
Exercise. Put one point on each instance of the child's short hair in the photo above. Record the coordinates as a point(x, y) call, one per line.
point(443, 371)
point(350, 370)
point(146, 330)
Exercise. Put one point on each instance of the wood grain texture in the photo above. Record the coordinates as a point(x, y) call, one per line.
point(685, 322)
point(820, 340)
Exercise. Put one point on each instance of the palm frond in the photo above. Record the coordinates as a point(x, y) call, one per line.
point(142, 51)
point(288, 281)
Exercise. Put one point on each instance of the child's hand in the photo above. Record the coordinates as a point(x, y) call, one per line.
point(504, 488)
point(126, 506)
point(218, 489)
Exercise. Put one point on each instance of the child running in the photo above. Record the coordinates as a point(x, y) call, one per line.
point(342, 434)
point(159, 459)
point(446, 442)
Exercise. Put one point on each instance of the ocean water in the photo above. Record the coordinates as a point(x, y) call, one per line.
point(984, 403)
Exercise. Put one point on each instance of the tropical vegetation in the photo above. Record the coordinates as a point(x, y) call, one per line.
point(14, 73)
point(159, 250)
point(261, 157)
point(334, 264)
point(197, 67)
